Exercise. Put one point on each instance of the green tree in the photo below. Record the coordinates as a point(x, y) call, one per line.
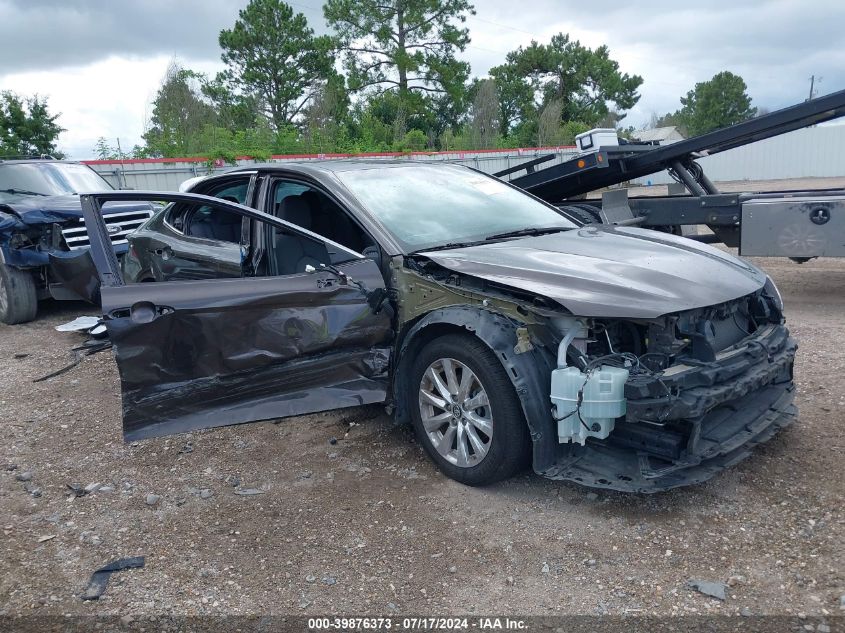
point(586, 82)
point(326, 116)
point(27, 127)
point(484, 115)
point(180, 114)
point(715, 104)
point(413, 141)
point(235, 111)
point(414, 112)
point(404, 46)
point(104, 151)
point(516, 97)
point(670, 119)
point(273, 56)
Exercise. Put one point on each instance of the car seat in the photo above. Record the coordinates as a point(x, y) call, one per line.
point(330, 221)
point(214, 224)
point(295, 252)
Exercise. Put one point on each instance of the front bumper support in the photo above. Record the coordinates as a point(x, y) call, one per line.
point(703, 429)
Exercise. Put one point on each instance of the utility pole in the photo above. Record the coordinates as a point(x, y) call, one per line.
point(813, 81)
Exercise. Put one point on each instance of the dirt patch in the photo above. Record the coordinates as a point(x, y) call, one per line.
point(367, 525)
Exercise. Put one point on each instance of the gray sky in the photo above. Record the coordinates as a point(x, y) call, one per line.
point(100, 61)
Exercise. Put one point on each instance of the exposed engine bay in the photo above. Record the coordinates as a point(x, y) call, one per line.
point(680, 391)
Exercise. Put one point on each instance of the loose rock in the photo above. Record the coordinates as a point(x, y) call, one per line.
point(90, 538)
point(24, 476)
point(708, 588)
point(152, 499)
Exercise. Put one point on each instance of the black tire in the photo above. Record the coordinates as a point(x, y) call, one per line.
point(509, 444)
point(18, 296)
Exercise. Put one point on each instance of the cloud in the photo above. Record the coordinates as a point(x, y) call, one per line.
point(100, 61)
point(109, 98)
point(774, 45)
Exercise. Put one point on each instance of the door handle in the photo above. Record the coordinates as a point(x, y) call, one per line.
point(165, 252)
point(147, 312)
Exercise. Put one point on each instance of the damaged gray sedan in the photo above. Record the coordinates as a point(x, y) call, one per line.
point(504, 331)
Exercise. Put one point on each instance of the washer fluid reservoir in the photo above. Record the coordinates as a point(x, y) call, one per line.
point(601, 393)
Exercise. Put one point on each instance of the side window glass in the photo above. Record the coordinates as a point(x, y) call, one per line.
point(213, 224)
point(174, 215)
point(231, 192)
point(313, 210)
point(189, 220)
point(284, 190)
point(156, 255)
point(290, 253)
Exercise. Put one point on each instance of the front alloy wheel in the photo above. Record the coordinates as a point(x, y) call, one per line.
point(455, 412)
point(466, 412)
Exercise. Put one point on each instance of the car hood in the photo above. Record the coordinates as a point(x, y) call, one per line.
point(610, 271)
point(47, 210)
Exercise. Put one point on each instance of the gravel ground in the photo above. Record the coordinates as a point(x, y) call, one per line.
point(367, 525)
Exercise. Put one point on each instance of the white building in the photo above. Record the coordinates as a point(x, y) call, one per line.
point(665, 135)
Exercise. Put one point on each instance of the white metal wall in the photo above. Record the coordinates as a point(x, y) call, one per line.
point(167, 176)
point(809, 152)
point(806, 153)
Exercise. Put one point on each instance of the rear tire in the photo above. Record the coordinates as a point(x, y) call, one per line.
point(471, 425)
point(18, 296)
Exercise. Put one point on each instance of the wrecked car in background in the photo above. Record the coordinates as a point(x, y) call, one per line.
point(41, 224)
point(505, 331)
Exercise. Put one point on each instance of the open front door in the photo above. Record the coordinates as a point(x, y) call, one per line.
point(203, 353)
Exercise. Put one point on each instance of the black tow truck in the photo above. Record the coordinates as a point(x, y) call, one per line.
point(797, 224)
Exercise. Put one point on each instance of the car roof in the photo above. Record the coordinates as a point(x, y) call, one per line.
point(334, 165)
point(38, 161)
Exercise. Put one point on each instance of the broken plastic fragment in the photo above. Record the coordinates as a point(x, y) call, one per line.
point(100, 578)
point(79, 324)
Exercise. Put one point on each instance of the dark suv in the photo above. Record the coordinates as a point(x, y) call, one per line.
point(41, 223)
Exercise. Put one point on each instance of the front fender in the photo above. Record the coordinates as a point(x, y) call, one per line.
point(73, 276)
point(529, 371)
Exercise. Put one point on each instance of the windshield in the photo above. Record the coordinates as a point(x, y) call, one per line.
point(48, 179)
point(425, 206)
